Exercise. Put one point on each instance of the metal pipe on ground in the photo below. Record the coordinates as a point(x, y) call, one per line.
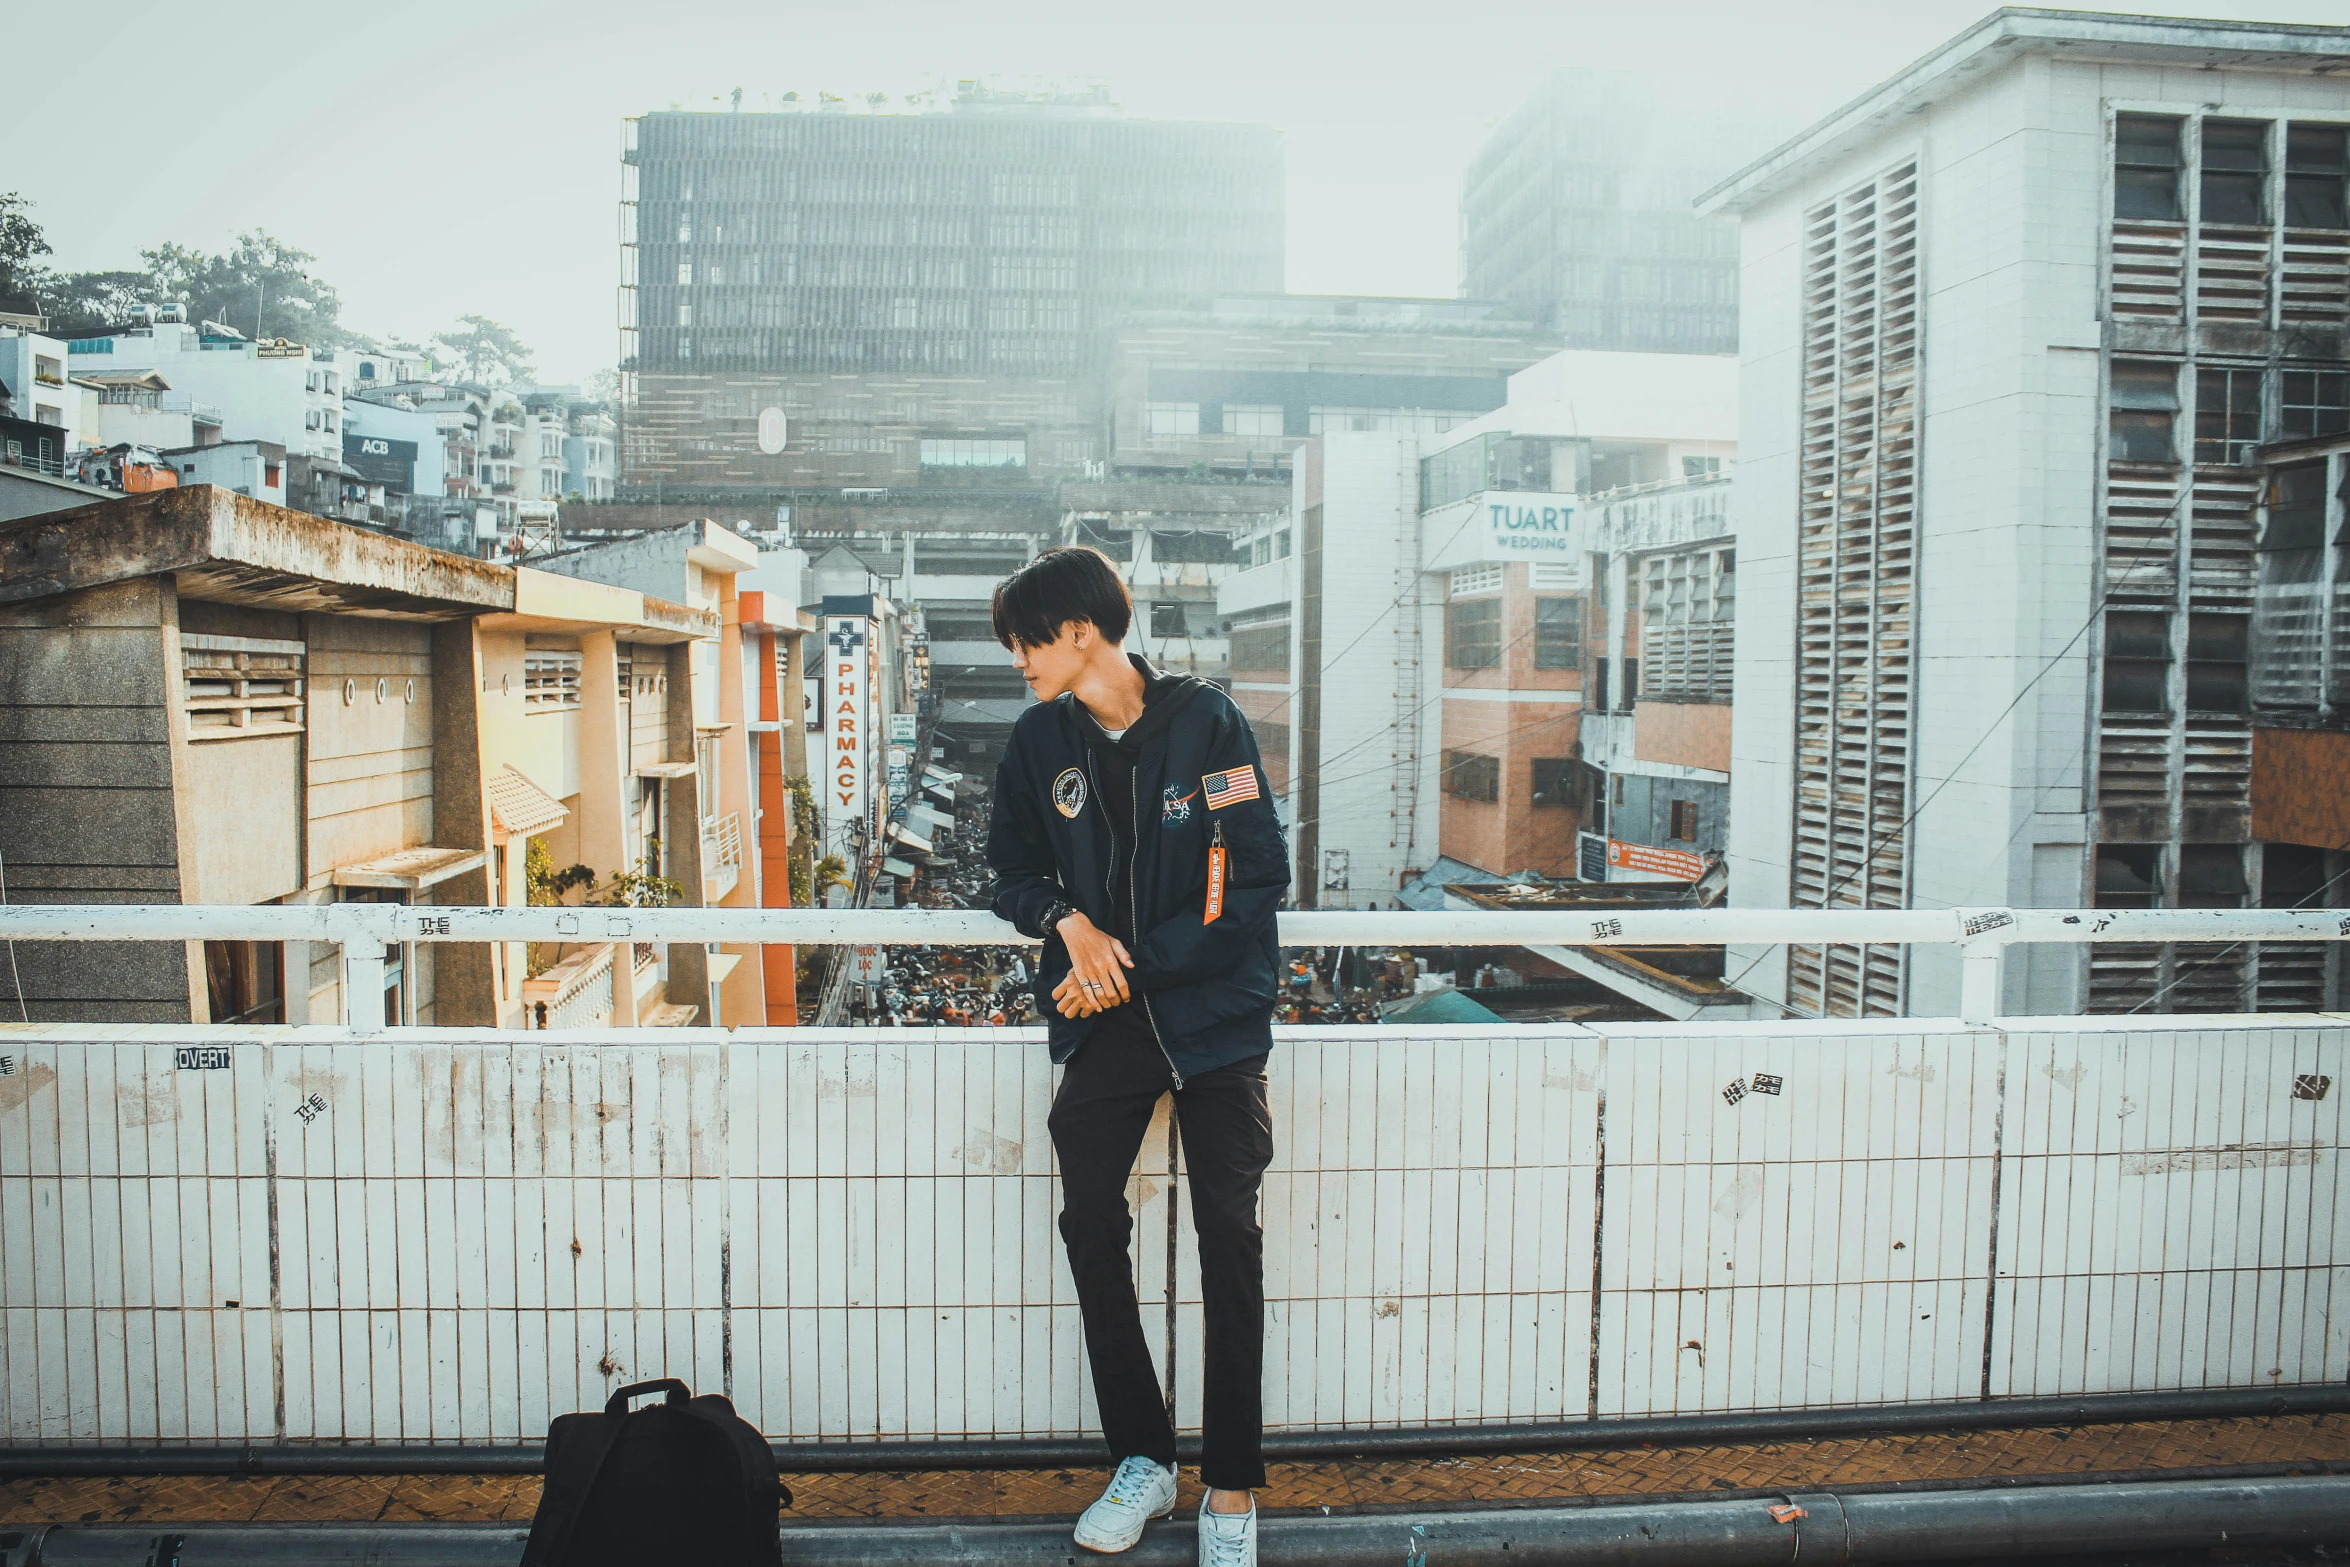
point(1770, 1425)
point(1814, 1528)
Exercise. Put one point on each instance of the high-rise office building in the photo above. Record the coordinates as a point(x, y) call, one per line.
point(841, 298)
point(1578, 207)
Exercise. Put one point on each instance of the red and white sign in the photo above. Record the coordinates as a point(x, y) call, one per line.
point(848, 770)
point(1674, 863)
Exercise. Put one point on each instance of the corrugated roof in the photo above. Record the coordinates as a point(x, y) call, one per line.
point(521, 808)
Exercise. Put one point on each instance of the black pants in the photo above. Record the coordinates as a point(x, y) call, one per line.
point(1108, 1092)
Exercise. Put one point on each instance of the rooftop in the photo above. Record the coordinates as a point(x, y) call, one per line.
point(2011, 34)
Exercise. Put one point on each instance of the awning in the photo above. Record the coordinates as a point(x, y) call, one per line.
point(939, 775)
point(897, 867)
point(664, 769)
point(944, 791)
point(520, 808)
point(911, 840)
point(925, 813)
point(411, 870)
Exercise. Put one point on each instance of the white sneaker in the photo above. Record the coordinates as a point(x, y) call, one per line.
point(1141, 1490)
point(1227, 1539)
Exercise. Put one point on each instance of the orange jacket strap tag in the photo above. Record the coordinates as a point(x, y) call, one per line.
point(1215, 880)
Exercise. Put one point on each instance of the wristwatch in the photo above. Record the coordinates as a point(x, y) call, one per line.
point(1055, 912)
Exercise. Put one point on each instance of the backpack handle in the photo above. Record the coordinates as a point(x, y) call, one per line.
point(678, 1393)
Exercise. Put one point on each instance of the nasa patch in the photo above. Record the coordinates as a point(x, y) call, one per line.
point(1174, 808)
point(1069, 793)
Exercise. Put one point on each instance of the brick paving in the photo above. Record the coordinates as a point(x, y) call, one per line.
point(1485, 1478)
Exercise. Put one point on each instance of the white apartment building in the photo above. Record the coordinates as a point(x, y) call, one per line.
point(1421, 642)
point(273, 391)
point(2013, 325)
point(33, 366)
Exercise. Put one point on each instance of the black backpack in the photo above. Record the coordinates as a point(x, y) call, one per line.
point(686, 1481)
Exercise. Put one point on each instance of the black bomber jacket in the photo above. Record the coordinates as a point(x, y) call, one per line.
point(1206, 986)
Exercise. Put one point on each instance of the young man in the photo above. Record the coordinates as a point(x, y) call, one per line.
point(1133, 832)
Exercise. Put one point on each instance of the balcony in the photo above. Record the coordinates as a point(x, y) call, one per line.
point(1259, 587)
point(1519, 1239)
point(722, 855)
point(576, 992)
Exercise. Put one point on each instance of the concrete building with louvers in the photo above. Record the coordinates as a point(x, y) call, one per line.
point(206, 698)
point(2015, 325)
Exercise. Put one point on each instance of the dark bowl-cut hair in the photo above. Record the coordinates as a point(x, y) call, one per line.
point(1070, 582)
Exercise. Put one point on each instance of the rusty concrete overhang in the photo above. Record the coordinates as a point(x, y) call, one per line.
point(546, 602)
point(233, 549)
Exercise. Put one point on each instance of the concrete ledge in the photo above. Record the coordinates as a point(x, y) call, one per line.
point(1821, 1527)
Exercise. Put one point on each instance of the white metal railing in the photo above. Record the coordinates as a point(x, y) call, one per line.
point(722, 854)
point(575, 993)
point(362, 930)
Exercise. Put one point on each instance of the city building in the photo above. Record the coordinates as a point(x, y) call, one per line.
point(1232, 385)
point(1424, 640)
point(1577, 209)
point(255, 468)
point(141, 408)
point(271, 391)
point(298, 711)
point(2016, 326)
point(33, 368)
point(827, 298)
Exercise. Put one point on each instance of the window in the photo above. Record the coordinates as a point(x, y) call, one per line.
point(2137, 662)
point(1117, 543)
point(2211, 876)
point(2292, 542)
point(2317, 162)
point(1472, 579)
point(1684, 821)
point(2227, 415)
point(685, 313)
point(2146, 167)
point(1167, 619)
point(685, 273)
point(1472, 633)
point(237, 688)
point(245, 981)
point(2145, 406)
point(1558, 633)
point(2129, 875)
point(1701, 467)
point(996, 452)
point(1258, 421)
point(1468, 776)
point(1170, 419)
point(1197, 547)
point(2235, 171)
point(1631, 691)
point(550, 680)
point(1261, 651)
point(1557, 781)
point(2312, 402)
point(2216, 655)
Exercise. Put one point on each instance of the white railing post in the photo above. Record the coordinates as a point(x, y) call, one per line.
point(362, 929)
point(1981, 947)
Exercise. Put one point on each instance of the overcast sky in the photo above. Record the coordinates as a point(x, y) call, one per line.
point(441, 158)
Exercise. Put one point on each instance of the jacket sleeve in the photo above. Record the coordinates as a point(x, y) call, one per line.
point(1020, 853)
point(1186, 948)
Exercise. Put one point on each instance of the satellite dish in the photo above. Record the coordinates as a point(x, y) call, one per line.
point(774, 430)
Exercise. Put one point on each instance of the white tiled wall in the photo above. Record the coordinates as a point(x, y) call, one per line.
point(854, 1234)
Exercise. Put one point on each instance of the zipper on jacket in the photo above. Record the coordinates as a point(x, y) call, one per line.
point(1134, 915)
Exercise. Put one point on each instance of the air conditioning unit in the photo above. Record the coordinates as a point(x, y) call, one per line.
point(176, 315)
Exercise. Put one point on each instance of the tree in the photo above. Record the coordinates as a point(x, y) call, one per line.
point(76, 300)
point(484, 351)
point(261, 288)
point(603, 386)
point(21, 240)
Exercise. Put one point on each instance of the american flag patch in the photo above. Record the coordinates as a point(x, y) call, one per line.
point(1230, 788)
